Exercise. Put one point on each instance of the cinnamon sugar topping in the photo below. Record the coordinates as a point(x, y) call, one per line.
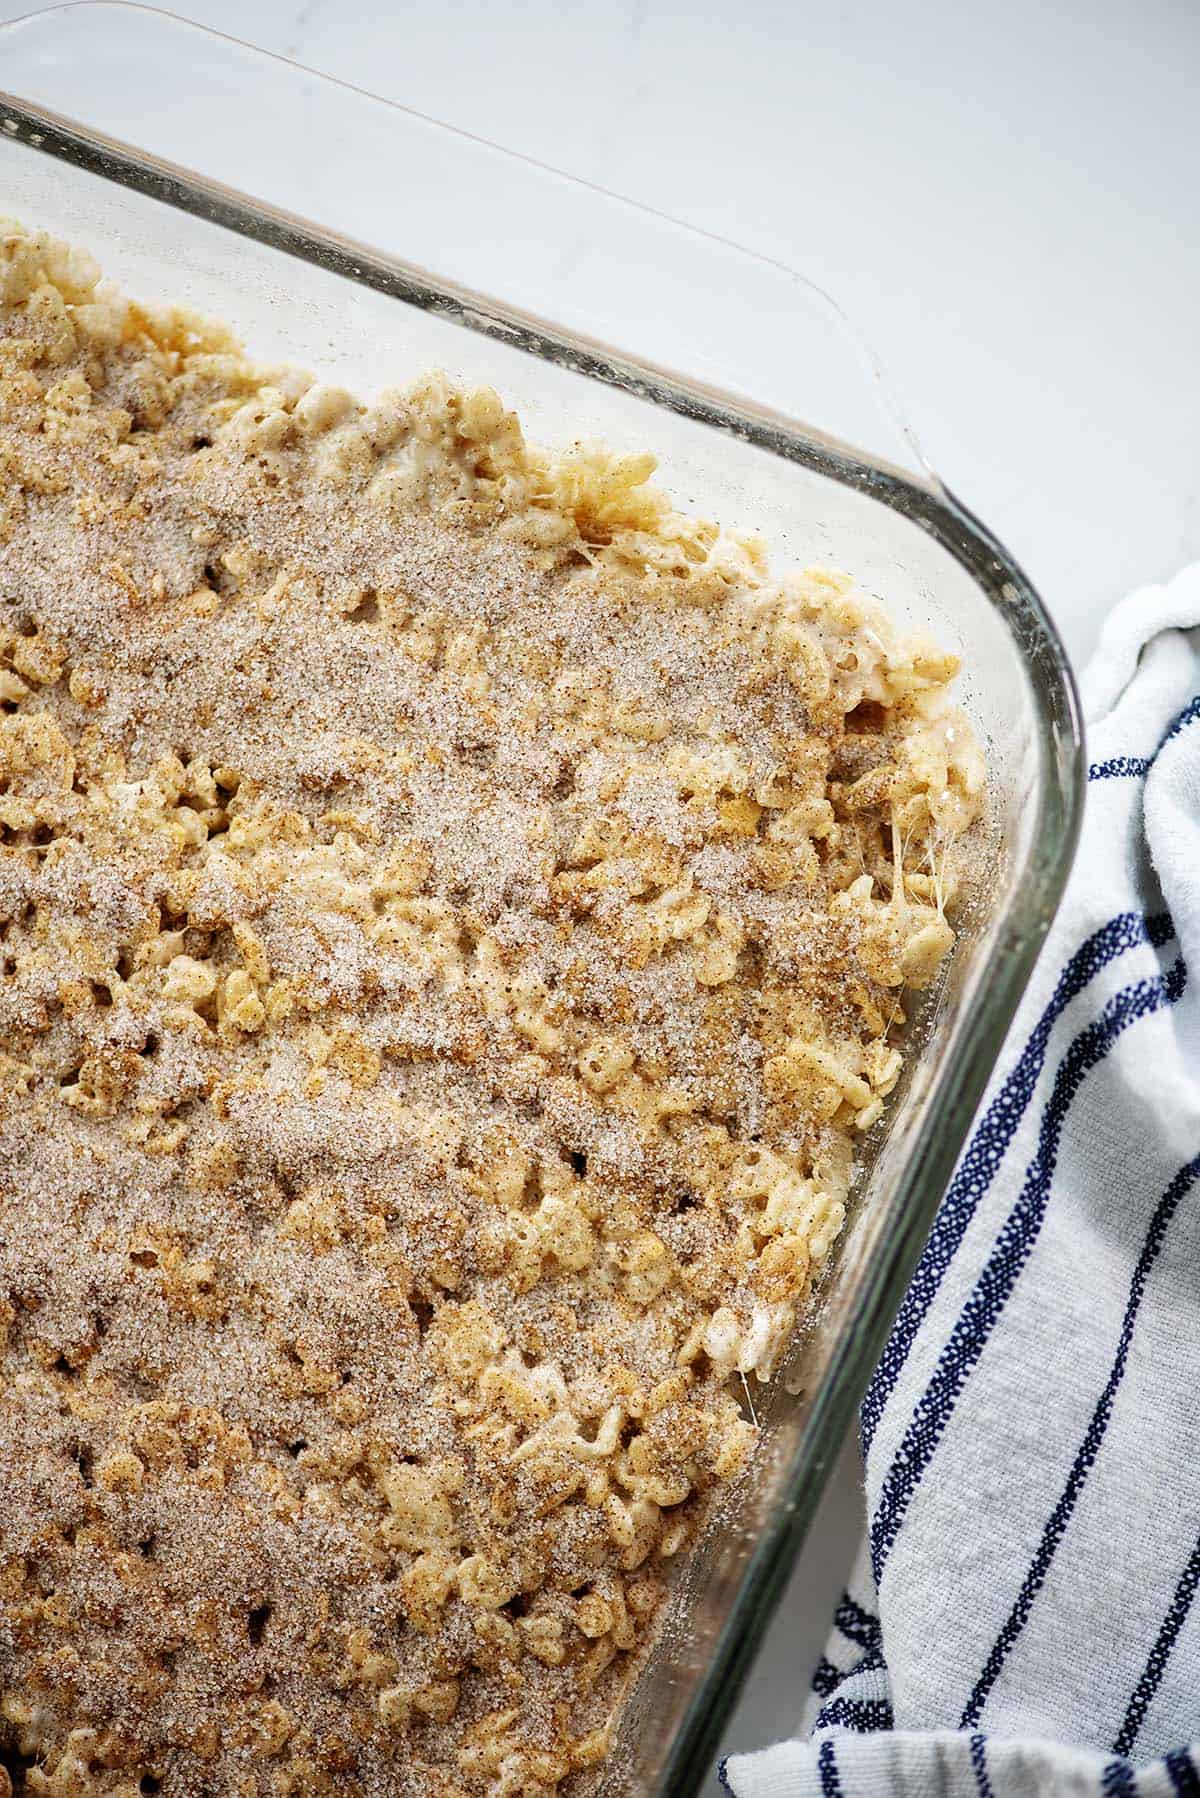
point(455, 915)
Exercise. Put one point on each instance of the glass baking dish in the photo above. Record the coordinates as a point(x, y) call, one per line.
point(142, 138)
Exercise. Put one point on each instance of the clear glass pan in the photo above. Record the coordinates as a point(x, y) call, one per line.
point(140, 137)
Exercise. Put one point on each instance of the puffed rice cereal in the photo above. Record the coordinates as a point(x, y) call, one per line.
point(456, 915)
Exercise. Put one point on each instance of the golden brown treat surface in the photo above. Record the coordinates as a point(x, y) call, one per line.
point(450, 937)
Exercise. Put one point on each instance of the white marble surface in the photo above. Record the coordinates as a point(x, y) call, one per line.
point(1002, 196)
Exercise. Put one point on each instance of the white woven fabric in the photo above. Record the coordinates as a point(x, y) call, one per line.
point(1022, 1618)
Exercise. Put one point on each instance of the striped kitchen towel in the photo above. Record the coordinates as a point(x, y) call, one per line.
point(1022, 1619)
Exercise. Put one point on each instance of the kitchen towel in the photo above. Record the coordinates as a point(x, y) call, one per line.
point(1023, 1618)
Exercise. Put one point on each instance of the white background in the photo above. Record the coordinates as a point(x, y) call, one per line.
point(1003, 196)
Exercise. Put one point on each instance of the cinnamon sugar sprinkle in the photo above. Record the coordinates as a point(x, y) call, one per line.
point(455, 913)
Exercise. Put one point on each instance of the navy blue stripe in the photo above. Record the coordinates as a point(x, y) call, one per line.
point(1119, 1781)
point(1121, 767)
point(989, 1144)
point(723, 1777)
point(1013, 1247)
point(1089, 1448)
point(1183, 1774)
point(827, 1678)
point(855, 1623)
point(870, 1662)
point(865, 1716)
point(1132, 767)
point(979, 1763)
point(1188, 715)
point(831, 1785)
point(1160, 1654)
